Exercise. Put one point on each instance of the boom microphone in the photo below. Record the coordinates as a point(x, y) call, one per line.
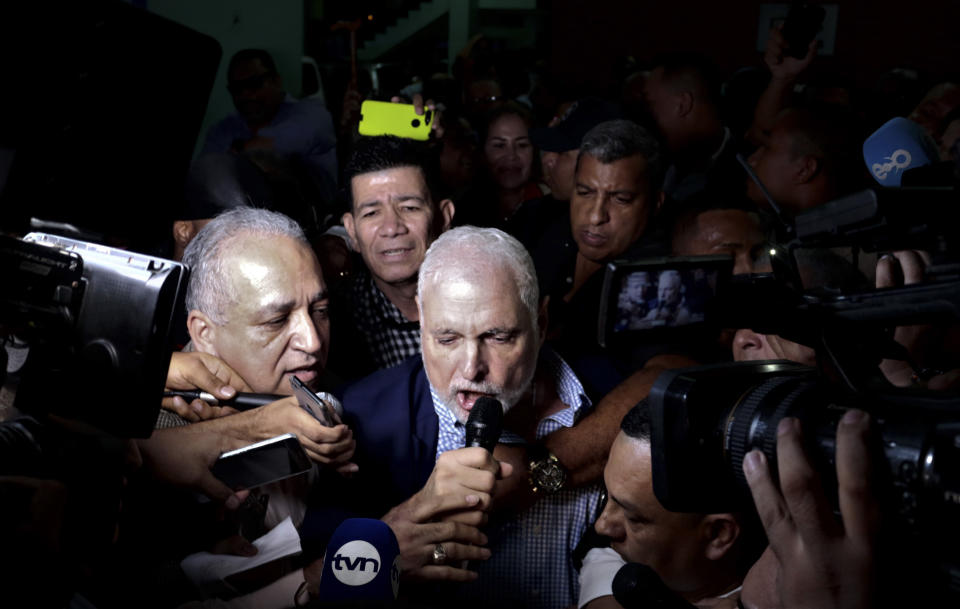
point(361, 563)
point(485, 423)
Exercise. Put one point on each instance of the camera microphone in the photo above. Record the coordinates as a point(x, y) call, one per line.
point(637, 585)
point(241, 401)
point(485, 423)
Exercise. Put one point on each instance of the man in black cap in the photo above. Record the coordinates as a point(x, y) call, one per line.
point(559, 144)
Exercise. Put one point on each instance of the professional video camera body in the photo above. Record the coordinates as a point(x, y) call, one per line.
point(706, 419)
point(97, 324)
point(97, 321)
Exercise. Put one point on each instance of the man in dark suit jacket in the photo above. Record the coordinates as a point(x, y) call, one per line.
point(483, 329)
point(392, 413)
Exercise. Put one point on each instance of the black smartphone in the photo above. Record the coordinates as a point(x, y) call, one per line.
point(323, 406)
point(659, 295)
point(262, 463)
point(802, 25)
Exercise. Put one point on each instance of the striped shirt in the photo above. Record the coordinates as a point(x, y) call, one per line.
point(390, 337)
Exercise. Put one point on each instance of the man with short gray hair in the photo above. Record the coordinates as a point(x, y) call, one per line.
point(257, 301)
point(482, 336)
point(617, 192)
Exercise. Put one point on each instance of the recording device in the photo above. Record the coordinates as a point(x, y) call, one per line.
point(94, 317)
point(706, 419)
point(801, 26)
point(637, 585)
point(324, 407)
point(361, 563)
point(262, 463)
point(401, 120)
point(900, 144)
point(485, 423)
point(659, 294)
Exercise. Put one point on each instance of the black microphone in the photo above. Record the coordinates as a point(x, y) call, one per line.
point(637, 585)
point(241, 401)
point(485, 423)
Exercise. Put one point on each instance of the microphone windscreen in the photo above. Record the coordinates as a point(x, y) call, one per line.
point(485, 423)
point(361, 563)
point(898, 145)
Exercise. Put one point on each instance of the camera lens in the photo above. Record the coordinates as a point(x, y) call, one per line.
point(752, 422)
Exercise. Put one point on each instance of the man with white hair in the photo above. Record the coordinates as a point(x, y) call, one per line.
point(482, 336)
point(671, 308)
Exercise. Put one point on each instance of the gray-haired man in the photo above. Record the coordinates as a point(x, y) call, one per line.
point(483, 328)
point(257, 301)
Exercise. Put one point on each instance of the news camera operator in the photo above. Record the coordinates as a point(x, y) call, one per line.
point(706, 229)
point(701, 558)
point(813, 559)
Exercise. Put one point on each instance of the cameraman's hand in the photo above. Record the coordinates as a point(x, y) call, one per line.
point(781, 65)
point(820, 563)
point(896, 270)
point(329, 446)
point(195, 370)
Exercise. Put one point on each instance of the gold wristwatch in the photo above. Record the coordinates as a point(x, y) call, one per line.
point(547, 474)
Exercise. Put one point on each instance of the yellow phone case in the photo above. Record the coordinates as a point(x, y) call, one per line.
point(385, 118)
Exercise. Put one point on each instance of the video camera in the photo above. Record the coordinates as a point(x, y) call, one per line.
point(706, 419)
point(97, 321)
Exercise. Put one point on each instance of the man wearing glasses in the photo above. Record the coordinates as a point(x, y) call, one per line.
point(269, 119)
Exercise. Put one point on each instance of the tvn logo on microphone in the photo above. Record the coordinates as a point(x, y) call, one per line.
point(356, 563)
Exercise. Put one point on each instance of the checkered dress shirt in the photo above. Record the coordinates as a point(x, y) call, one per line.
point(390, 337)
point(531, 564)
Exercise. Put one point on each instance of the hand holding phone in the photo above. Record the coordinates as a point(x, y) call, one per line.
point(261, 463)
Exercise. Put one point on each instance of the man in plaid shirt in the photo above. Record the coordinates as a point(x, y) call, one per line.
point(392, 220)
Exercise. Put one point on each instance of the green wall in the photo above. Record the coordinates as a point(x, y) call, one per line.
point(274, 25)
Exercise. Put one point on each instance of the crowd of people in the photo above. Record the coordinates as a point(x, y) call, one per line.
point(410, 280)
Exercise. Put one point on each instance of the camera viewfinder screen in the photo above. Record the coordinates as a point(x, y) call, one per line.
point(664, 298)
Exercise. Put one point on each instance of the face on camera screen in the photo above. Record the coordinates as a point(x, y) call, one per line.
point(664, 298)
